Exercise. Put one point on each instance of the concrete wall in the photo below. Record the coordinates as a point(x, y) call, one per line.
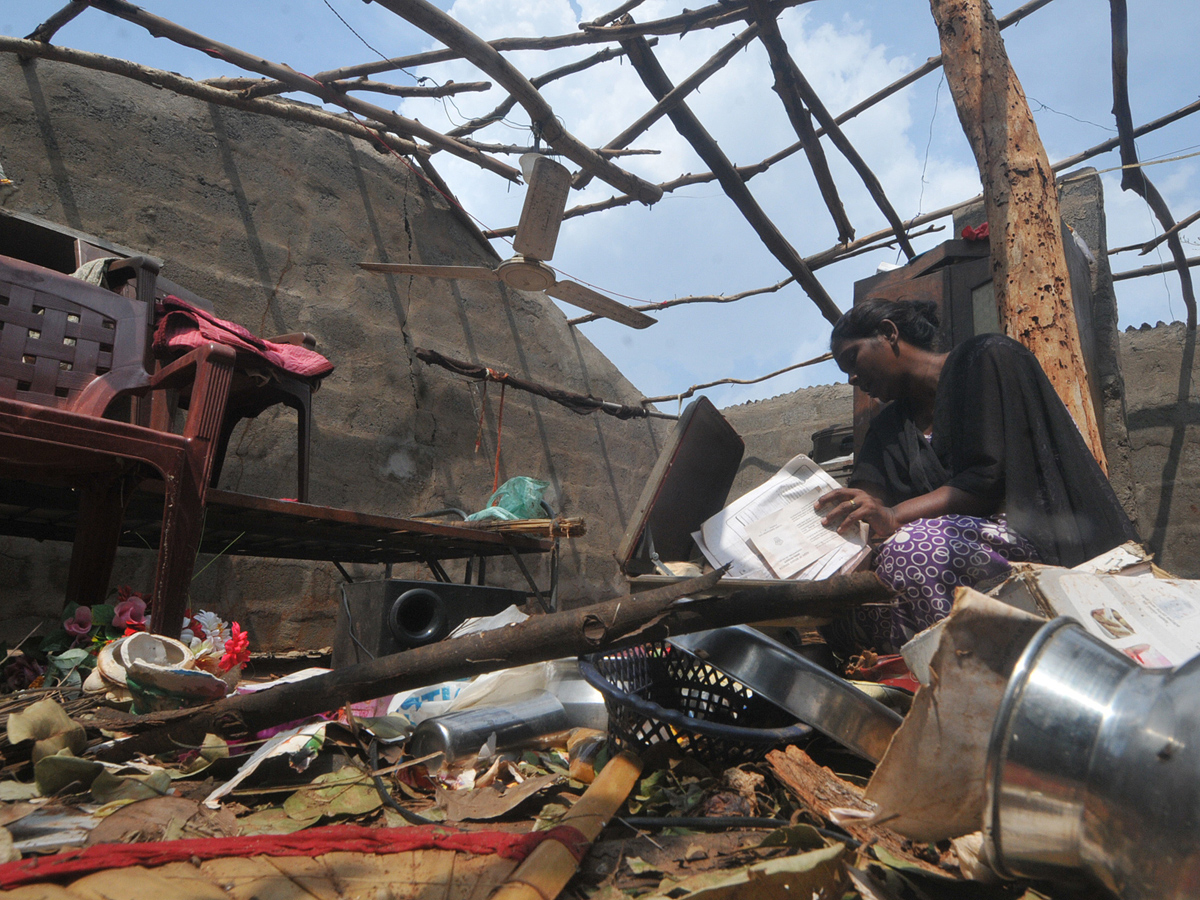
point(268, 220)
point(1164, 434)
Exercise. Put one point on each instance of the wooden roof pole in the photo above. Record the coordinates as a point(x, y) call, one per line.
point(714, 64)
point(296, 81)
point(538, 81)
point(657, 82)
point(279, 109)
point(795, 91)
point(1134, 178)
point(438, 24)
point(1029, 264)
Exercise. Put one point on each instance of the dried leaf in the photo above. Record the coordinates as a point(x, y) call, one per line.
point(61, 771)
point(795, 837)
point(488, 803)
point(108, 787)
point(8, 853)
point(273, 820)
point(639, 866)
point(346, 792)
point(15, 790)
point(816, 873)
point(49, 727)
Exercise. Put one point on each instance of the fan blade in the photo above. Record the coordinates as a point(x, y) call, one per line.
point(545, 203)
point(578, 295)
point(468, 273)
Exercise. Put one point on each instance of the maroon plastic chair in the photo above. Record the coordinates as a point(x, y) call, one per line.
point(68, 352)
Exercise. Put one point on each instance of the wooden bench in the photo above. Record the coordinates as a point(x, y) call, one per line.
point(68, 352)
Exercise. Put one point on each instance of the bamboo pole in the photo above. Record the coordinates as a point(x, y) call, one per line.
point(438, 24)
point(1133, 178)
point(160, 27)
point(791, 83)
point(632, 619)
point(279, 109)
point(1029, 265)
point(702, 142)
point(674, 97)
point(546, 871)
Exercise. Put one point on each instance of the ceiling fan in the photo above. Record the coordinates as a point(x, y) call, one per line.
point(537, 232)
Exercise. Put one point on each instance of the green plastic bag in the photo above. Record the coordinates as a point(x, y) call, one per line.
point(517, 498)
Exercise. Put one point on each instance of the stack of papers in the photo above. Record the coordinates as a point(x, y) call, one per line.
point(774, 532)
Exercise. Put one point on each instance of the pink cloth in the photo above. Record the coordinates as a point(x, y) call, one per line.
point(182, 327)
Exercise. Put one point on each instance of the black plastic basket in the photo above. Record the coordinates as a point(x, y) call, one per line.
point(657, 694)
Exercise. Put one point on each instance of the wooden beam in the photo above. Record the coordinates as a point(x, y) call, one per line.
point(714, 64)
point(786, 86)
point(279, 109)
point(439, 25)
point(626, 621)
point(702, 142)
point(160, 27)
point(1170, 232)
point(1029, 265)
point(1133, 178)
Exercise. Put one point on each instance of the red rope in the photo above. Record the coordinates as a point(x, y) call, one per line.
point(311, 842)
point(499, 430)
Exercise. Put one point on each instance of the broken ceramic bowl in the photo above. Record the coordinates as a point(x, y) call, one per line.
point(115, 658)
point(156, 688)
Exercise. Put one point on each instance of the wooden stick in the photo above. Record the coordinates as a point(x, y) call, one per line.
point(693, 131)
point(787, 86)
point(836, 254)
point(538, 81)
point(609, 17)
point(449, 89)
point(632, 619)
point(546, 871)
point(1112, 143)
point(160, 27)
point(795, 86)
point(438, 24)
point(515, 149)
point(748, 172)
point(280, 109)
point(707, 17)
point(699, 387)
point(674, 97)
point(1154, 270)
point(50, 27)
point(1170, 232)
point(1133, 177)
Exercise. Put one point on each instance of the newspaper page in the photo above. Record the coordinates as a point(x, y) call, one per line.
point(1153, 621)
point(773, 531)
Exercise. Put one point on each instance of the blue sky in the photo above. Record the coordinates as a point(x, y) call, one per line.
point(694, 241)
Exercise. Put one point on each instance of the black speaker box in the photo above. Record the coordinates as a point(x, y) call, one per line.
point(377, 618)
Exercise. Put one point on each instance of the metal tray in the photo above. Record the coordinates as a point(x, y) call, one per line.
point(814, 696)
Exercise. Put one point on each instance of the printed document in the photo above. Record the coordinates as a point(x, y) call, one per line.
point(774, 532)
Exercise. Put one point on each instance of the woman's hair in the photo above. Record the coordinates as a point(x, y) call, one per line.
point(916, 320)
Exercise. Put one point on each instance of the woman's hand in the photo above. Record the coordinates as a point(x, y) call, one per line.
point(846, 507)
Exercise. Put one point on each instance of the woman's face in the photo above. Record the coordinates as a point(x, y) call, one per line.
point(872, 364)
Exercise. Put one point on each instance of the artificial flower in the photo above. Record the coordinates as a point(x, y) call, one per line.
point(130, 612)
point(79, 624)
point(22, 672)
point(237, 649)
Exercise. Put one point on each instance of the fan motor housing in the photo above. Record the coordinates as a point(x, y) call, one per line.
point(525, 274)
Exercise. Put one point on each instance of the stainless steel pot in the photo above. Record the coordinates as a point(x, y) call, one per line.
point(814, 696)
point(1094, 769)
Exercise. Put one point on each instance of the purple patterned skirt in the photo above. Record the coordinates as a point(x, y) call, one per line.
point(924, 562)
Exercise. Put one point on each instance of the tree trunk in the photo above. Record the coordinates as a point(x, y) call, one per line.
point(1029, 266)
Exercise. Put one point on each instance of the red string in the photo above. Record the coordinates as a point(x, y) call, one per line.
point(499, 428)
